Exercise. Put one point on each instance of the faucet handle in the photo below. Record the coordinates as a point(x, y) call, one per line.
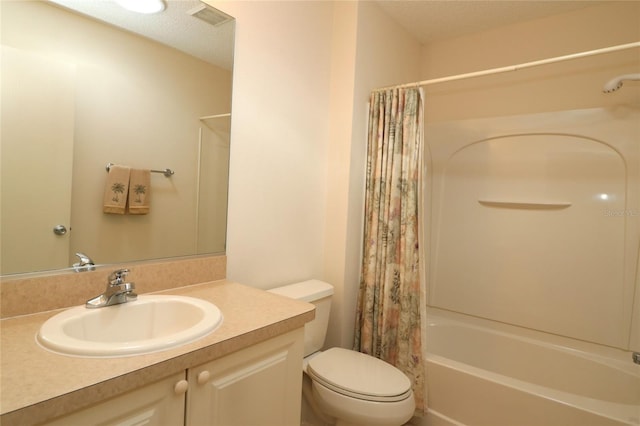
point(117, 276)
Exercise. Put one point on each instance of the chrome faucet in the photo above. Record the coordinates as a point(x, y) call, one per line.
point(117, 291)
point(84, 263)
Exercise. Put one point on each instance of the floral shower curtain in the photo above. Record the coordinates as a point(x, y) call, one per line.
point(388, 322)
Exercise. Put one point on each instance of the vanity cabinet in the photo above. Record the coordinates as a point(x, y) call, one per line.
point(157, 404)
point(259, 385)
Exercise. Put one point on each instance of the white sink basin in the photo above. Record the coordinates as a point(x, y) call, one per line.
point(149, 324)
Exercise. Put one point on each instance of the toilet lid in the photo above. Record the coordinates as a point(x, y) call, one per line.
point(359, 375)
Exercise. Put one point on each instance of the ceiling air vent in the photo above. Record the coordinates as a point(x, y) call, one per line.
point(210, 15)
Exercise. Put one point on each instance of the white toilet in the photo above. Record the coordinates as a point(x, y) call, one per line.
point(346, 387)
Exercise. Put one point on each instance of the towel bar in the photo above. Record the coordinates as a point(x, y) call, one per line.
point(165, 172)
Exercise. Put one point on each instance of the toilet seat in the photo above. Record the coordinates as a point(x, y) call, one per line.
point(359, 375)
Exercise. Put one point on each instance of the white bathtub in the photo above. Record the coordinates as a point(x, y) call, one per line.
point(483, 373)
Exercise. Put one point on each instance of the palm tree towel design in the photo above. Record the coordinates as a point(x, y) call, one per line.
point(139, 191)
point(116, 190)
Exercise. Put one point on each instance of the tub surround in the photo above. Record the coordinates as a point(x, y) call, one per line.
point(549, 199)
point(39, 385)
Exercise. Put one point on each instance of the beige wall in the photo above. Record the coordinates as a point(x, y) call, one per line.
point(562, 86)
point(303, 73)
point(278, 190)
point(138, 105)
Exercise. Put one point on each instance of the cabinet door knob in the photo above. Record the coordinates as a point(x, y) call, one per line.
point(203, 377)
point(181, 387)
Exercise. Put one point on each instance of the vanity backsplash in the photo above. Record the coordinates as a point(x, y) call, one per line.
point(22, 294)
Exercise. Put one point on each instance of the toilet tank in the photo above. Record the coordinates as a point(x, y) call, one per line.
point(319, 293)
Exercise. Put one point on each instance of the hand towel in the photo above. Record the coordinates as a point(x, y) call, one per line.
point(115, 191)
point(139, 191)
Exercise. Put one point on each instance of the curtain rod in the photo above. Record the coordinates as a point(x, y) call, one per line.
point(515, 67)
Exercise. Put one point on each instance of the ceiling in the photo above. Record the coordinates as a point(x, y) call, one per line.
point(427, 20)
point(431, 20)
point(174, 27)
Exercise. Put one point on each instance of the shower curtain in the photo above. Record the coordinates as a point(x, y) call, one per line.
point(388, 321)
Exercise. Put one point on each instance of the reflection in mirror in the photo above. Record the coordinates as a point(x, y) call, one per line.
point(96, 94)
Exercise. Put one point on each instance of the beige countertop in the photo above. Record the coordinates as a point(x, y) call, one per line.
point(37, 384)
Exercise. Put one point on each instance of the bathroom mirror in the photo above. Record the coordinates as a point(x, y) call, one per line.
point(153, 92)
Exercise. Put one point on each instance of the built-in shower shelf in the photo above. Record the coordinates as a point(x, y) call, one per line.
point(526, 205)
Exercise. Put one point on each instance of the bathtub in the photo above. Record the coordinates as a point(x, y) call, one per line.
point(485, 373)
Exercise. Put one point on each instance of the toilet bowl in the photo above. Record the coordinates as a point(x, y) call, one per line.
point(359, 389)
point(342, 386)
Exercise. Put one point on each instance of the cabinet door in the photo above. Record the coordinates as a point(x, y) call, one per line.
point(257, 386)
point(158, 404)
